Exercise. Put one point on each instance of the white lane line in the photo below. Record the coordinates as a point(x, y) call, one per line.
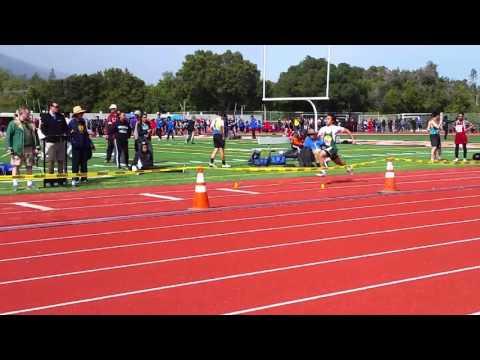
point(264, 193)
point(138, 229)
point(162, 197)
point(354, 290)
point(242, 250)
point(238, 191)
point(198, 237)
point(33, 206)
point(477, 313)
point(270, 184)
point(249, 274)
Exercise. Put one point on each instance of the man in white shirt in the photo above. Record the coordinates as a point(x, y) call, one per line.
point(218, 129)
point(329, 134)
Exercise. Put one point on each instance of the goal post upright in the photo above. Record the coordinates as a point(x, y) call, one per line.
point(309, 99)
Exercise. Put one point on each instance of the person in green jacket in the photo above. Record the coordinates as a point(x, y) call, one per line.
point(22, 144)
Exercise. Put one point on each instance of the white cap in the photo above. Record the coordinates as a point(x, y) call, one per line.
point(113, 106)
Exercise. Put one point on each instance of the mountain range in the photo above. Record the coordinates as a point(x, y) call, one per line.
point(19, 67)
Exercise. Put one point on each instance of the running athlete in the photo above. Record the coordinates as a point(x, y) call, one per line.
point(329, 134)
point(218, 128)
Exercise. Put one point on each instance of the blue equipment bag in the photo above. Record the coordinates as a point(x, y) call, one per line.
point(278, 160)
point(5, 169)
point(256, 159)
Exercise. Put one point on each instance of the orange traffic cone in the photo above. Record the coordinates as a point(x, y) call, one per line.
point(200, 200)
point(389, 185)
point(236, 185)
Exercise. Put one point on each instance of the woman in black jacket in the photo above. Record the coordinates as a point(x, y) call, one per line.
point(82, 145)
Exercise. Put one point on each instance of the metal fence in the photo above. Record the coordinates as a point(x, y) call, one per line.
point(355, 121)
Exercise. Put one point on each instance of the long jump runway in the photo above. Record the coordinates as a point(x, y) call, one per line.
point(280, 246)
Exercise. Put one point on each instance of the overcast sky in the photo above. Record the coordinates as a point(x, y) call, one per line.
point(149, 62)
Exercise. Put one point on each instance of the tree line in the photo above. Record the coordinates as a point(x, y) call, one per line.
point(208, 81)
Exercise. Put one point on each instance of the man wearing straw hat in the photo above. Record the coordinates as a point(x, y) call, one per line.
point(82, 145)
point(109, 129)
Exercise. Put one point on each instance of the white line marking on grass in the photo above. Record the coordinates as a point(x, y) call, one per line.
point(354, 290)
point(255, 273)
point(242, 250)
point(197, 237)
point(162, 197)
point(238, 191)
point(33, 206)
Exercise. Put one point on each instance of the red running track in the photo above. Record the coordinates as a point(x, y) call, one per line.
point(423, 247)
point(109, 203)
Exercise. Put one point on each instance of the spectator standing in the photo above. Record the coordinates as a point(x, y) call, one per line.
point(461, 137)
point(190, 130)
point(253, 126)
point(390, 125)
point(134, 118)
point(109, 129)
point(205, 126)
point(54, 127)
point(82, 145)
point(370, 125)
point(199, 125)
point(433, 127)
point(153, 126)
point(241, 125)
point(123, 131)
point(96, 125)
point(419, 123)
point(159, 126)
point(170, 128)
point(445, 126)
point(226, 128)
point(218, 130)
point(22, 144)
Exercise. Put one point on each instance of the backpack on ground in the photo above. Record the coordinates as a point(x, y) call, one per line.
point(278, 159)
point(259, 158)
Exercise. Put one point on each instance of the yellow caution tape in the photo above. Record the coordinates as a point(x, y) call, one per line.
point(94, 174)
point(250, 169)
point(437, 162)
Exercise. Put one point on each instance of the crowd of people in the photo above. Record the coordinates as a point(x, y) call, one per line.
point(58, 135)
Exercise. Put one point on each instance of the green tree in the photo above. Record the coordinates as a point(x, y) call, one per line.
point(211, 81)
point(460, 98)
point(122, 88)
point(163, 96)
